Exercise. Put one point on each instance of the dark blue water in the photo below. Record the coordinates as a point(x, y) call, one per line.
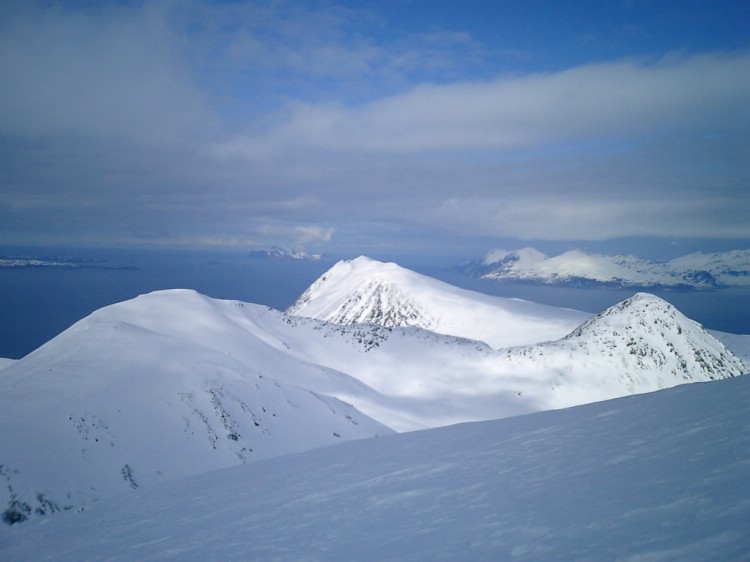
point(36, 304)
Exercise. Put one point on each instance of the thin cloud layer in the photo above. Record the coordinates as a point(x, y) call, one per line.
point(610, 100)
point(115, 73)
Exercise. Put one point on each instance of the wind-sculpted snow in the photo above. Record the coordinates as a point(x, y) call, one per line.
point(577, 268)
point(364, 291)
point(174, 383)
point(661, 476)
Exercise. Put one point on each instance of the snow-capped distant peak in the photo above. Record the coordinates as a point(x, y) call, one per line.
point(576, 267)
point(277, 253)
point(524, 257)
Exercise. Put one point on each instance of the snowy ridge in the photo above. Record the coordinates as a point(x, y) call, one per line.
point(696, 271)
point(366, 291)
point(661, 476)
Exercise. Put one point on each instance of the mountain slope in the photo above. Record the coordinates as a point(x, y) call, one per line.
point(129, 397)
point(366, 291)
point(639, 345)
point(660, 476)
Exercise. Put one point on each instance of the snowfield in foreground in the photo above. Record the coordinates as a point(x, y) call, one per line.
point(660, 476)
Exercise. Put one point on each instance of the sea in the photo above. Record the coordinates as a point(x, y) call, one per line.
point(38, 303)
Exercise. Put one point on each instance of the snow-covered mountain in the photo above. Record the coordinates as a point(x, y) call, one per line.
point(641, 344)
point(283, 254)
point(661, 476)
point(366, 291)
point(577, 268)
point(728, 268)
point(174, 383)
point(161, 387)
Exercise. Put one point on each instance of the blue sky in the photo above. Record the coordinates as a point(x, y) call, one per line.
point(375, 127)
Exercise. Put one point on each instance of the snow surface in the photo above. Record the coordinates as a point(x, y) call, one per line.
point(366, 291)
point(699, 271)
point(660, 476)
point(6, 362)
point(174, 383)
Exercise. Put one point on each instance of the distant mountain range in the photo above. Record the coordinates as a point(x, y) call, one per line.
point(283, 254)
point(17, 262)
point(173, 383)
point(577, 268)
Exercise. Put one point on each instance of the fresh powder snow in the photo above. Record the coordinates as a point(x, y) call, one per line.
point(660, 476)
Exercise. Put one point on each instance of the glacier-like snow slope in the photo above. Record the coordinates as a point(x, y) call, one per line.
point(660, 476)
point(366, 291)
point(575, 267)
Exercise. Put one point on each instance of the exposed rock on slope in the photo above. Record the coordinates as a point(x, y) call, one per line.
point(641, 344)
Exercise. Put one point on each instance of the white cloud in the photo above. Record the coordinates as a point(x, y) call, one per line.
point(608, 99)
point(297, 234)
point(313, 234)
point(566, 218)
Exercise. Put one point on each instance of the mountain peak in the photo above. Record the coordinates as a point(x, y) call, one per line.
point(657, 337)
point(635, 311)
point(366, 291)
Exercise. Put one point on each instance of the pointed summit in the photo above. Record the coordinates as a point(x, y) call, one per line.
point(655, 342)
point(366, 291)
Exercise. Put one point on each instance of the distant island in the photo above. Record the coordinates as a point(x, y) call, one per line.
point(284, 254)
point(37, 262)
point(697, 271)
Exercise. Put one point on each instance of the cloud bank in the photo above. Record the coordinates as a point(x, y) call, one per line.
point(276, 123)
